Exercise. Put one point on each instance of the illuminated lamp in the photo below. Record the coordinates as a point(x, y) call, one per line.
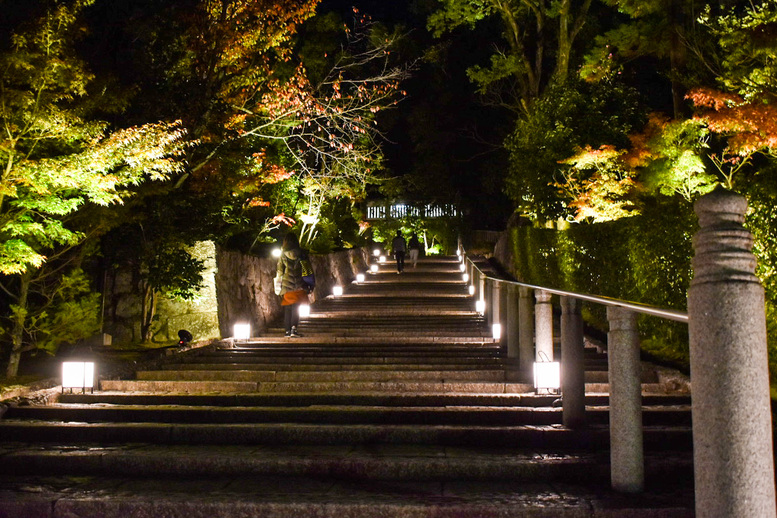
point(471, 289)
point(78, 374)
point(359, 277)
point(374, 268)
point(376, 252)
point(304, 310)
point(276, 252)
point(382, 259)
point(547, 376)
point(462, 267)
point(496, 331)
point(337, 291)
point(480, 306)
point(465, 277)
point(241, 331)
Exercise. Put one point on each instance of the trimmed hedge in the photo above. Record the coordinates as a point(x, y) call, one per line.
point(645, 258)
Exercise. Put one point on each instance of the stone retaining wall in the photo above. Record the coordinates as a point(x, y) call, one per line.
point(244, 285)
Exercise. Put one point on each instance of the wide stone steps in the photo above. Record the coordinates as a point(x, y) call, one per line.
point(396, 402)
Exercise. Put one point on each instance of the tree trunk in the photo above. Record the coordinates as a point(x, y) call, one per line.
point(148, 310)
point(19, 320)
point(677, 61)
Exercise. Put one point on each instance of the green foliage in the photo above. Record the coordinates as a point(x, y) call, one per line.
point(747, 41)
point(69, 314)
point(645, 258)
point(174, 272)
point(56, 158)
point(566, 118)
point(679, 167)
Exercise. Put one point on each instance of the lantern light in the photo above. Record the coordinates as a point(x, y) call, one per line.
point(471, 289)
point(480, 306)
point(458, 252)
point(496, 331)
point(304, 310)
point(547, 375)
point(376, 252)
point(241, 331)
point(382, 259)
point(78, 374)
point(374, 268)
point(276, 252)
point(465, 277)
point(462, 267)
point(337, 291)
point(359, 277)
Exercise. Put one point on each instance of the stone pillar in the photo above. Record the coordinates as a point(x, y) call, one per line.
point(543, 326)
point(525, 330)
point(627, 465)
point(496, 299)
point(732, 426)
point(572, 363)
point(481, 287)
point(512, 331)
point(488, 288)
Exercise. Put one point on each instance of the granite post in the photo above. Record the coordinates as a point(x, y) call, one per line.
point(627, 463)
point(732, 427)
point(512, 332)
point(525, 330)
point(572, 363)
point(543, 326)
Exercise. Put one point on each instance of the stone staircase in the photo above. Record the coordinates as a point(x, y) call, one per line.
point(395, 402)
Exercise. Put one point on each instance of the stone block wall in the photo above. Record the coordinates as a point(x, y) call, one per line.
point(198, 316)
point(244, 285)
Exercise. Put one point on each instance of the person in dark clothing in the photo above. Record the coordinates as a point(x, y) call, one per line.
point(399, 247)
point(415, 249)
point(289, 282)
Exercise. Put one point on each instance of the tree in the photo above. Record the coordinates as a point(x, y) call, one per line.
point(57, 158)
point(536, 55)
point(275, 140)
point(565, 120)
point(663, 29)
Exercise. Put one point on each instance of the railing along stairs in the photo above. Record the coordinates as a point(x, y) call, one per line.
point(731, 408)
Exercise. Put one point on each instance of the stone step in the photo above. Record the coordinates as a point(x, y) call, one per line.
point(323, 386)
point(292, 363)
point(542, 438)
point(343, 414)
point(322, 375)
point(275, 336)
point(380, 462)
point(328, 497)
point(353, 399)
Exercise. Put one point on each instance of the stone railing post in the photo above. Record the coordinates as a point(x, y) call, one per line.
point(525, 330)
point(732, 426)
point(572, 363)
point(496, 299)
point(512, 331)
point(543, 326)
point(481, 287)
point(627, 465)
point(489, 289)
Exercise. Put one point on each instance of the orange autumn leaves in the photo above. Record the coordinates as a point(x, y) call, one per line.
point(670, 156)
